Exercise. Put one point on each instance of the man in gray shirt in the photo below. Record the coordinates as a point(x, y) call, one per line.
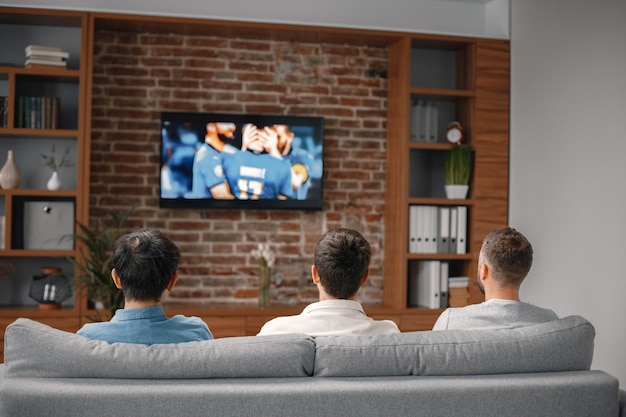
point(504, 261)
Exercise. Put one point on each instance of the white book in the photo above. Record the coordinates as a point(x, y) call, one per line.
point(433, 121)
point(461, 236)
point(433, 228)
point(46, 51)
point(30, 48)
point(424, 282)
point(415, 120)
point(458, 282)
point(421, 229)
point(32, 61)
point(423, 117)
point(443, 285)
point(413, 229)
point(60, 57)
point(428, 284)
point(443, 239)
point(453, 228)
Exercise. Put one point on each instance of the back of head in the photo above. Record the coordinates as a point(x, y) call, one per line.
point(145, 261)
point(508, 254)
point(342, 258)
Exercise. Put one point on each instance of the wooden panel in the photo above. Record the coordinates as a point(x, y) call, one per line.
point(491, 141)
point(228, 326)
point(396, 208)
point(418, 322)
point(254, 323)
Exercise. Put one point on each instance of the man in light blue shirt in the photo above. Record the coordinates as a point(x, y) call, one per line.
point(144, 267)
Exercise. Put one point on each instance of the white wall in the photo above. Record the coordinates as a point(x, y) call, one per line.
point(568, 174)
point(481, 18)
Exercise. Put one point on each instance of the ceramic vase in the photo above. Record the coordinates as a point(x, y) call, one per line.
point(10, 175)
point(54, 183)
point(264, 286)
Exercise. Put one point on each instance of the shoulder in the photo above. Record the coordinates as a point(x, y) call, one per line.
point(281, 325)
point(94, 330)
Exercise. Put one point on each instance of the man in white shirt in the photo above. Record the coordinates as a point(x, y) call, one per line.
point(504, 261)
point(341, 267)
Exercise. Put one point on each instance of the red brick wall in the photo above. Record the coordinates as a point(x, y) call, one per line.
point(136, 76)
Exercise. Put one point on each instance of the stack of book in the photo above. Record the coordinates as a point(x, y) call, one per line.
point(458, 291)
point(46, 55)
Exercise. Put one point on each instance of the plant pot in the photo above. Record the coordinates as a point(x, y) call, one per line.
point(457, 191)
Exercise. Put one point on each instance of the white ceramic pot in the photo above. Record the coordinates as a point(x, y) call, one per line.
point(456, 191)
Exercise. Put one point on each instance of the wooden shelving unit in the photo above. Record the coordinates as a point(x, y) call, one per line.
point(67, 30)
point(475, 85)
point(477, 89)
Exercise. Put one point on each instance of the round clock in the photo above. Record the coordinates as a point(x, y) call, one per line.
point(455, 133)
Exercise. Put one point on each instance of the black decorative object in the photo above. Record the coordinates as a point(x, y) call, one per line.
point(50, 288)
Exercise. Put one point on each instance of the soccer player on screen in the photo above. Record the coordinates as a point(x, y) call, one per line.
point(259, 170)
point(208, 174)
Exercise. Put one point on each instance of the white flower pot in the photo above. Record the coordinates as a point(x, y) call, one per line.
point(456, 191)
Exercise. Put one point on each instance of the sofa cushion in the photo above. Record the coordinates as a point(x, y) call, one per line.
point(32, 349)
point(561, 345)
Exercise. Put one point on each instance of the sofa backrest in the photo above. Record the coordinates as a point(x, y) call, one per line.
point(561, 345)
point(32, 349)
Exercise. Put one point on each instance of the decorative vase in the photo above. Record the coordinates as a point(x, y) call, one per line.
point(264, 286)
point(10, 175)
point(54, 183)
point(456, 191)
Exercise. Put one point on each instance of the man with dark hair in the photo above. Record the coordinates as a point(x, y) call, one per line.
point(144, 266)
point(504, 261)
point(341, 267)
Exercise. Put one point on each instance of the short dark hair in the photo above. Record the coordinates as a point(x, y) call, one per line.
point(342, 258)
point(508, 254)
point(145, 261)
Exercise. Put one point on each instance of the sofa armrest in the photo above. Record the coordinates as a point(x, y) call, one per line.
point(622, 403)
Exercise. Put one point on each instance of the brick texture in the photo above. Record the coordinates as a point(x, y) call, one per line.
point(139, 75)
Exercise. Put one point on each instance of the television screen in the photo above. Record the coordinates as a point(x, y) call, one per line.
point(211, 160)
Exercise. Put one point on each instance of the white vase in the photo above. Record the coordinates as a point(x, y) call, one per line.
point(54, 183)
point(456, 191)
point(10, 175)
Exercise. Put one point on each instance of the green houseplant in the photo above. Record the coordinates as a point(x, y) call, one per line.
point(458, 169)
point(93, 265)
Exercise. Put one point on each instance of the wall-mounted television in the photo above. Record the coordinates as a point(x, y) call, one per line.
point(215, 160)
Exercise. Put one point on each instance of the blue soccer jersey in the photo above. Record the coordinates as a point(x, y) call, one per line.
point(257, 176)
point(207, 170)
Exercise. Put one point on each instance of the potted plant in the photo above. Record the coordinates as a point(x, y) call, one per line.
point(458, 169)
point(93, 265)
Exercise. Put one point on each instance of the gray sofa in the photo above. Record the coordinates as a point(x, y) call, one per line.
point(539, 370)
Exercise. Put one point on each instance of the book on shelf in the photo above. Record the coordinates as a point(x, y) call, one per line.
point(424, 121)
point(47, 62)
point(4, 111)
point(428, 284)
point(37, 112)
point(46, 55)
point(437, 229)
point(458, 291)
